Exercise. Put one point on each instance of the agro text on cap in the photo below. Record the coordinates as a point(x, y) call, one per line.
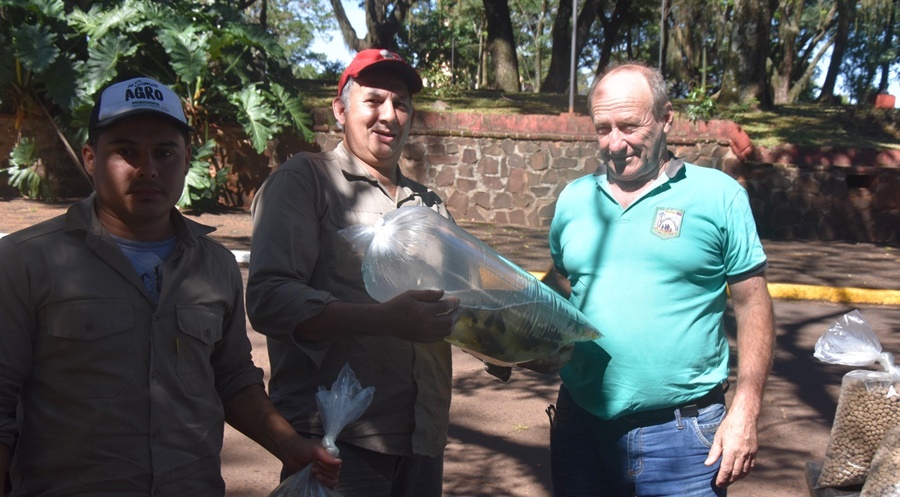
point(385, 60)
point(137, 96)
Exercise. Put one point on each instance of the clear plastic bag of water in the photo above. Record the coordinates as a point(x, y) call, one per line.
point(507, 316)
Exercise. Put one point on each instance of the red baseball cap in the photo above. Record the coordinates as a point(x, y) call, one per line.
point(378, 58)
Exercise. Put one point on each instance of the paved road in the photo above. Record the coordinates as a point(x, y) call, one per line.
point(499, 439)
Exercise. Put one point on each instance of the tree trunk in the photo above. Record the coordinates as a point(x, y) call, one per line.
point(611, 27)
point(845, 12)
point(384, 18)
point(789, 30)
point(557, 80)
point(888, 43)
point(502, 45)
point(745, 80)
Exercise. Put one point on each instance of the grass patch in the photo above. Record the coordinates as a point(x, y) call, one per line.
point(799, 124)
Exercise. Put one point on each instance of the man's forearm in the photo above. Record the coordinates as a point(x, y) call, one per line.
point(755, 341)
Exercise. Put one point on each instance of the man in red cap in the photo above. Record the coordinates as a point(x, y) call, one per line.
point(306, 291)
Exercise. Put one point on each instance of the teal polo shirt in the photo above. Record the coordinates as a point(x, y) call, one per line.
point(652, 278)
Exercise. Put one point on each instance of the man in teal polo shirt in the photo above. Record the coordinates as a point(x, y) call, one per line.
point(649, 244)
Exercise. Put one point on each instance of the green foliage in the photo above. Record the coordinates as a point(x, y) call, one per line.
point(256, 116)
point(699, 107)
point(54, 58)
point(203, 184)
point(24, 171)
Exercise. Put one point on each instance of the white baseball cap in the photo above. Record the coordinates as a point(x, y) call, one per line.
point(137, 96)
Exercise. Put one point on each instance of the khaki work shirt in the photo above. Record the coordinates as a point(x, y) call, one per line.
point(298, 264)
point(118, 395)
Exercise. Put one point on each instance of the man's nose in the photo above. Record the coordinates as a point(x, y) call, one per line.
point(145, 165)
point(387, 111)
point(616, 140)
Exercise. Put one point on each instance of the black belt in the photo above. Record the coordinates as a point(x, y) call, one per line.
point(666, 414)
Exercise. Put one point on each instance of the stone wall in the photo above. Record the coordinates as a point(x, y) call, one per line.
point(508, 170)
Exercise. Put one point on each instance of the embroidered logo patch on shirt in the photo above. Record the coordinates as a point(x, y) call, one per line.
point(667, 222)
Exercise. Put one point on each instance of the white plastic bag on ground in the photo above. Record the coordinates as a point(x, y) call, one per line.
point(338, 407)
point(507, 316)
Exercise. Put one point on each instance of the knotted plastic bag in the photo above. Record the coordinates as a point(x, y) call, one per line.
point(507, 316)
point(338, 407)
point(869, 404)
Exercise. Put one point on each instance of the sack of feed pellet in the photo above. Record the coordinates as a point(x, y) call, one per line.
point(506, 315)
point(869, 403)
point(884, 472)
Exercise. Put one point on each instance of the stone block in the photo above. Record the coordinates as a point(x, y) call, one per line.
point(515, 161)
point(502, 200)
point(516, 183)
point(469, 156)
point(538, 161)
point(488, 165)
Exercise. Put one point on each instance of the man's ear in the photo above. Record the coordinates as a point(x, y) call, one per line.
point(337, 107)
point(668, 117)
point(87, 157)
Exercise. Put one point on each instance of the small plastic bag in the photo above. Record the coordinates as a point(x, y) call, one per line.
point(506, 315)
point(869, 404)
point(338, 407)
point(884, 473)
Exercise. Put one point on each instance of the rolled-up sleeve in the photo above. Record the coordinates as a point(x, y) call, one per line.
point(232, 360)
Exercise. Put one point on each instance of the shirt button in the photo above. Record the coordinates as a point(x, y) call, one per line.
point(156, 317)
point(154, 374)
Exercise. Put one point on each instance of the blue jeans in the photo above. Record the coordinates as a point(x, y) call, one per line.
point(622, 458)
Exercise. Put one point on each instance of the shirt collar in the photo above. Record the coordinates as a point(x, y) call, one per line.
point(82, 216)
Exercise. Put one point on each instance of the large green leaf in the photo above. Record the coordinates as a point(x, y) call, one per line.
point(187, 49)
point(256, 116)
point(23, 160)
point(66, 86)
point(199, 183)
point(34, 46)
point(104, 56)
point(295, 110)
point(54, 9)
point(98, 21)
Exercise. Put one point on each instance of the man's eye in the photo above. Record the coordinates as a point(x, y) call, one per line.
point(124, 152)
point(603, 131)
point(164, 154)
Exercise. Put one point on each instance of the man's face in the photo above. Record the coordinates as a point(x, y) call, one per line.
point(376, 118)
point(138, 166)
point(632, 141)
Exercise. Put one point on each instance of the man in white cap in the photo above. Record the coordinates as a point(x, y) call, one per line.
point(306, 291)
point(124, 345)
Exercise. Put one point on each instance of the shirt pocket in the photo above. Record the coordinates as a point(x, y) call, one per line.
point(91, 351)
point(199, 329)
